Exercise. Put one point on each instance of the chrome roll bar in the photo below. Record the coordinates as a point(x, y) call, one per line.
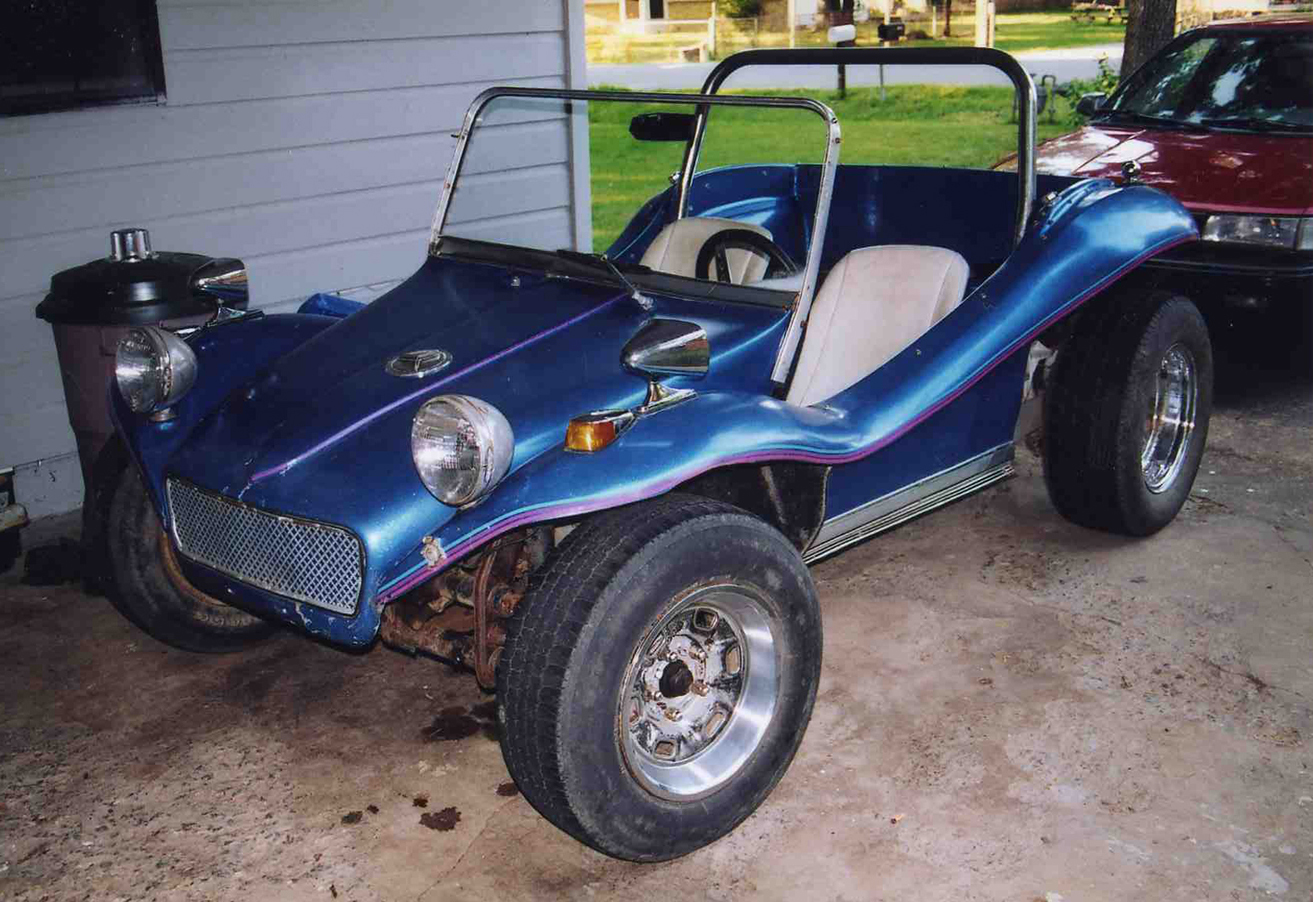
point(893, 56)
point(856, 56)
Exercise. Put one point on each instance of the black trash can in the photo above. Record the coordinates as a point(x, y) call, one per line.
point(90, 307)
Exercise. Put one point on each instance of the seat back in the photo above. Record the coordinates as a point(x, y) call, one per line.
point(675, 249)
point(875, 302)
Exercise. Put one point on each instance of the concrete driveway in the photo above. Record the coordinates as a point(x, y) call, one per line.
point(1012, 708)
point(1079, 62)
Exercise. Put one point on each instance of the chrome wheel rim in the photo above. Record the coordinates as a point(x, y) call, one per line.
point(699, 693)
point(1171, 419)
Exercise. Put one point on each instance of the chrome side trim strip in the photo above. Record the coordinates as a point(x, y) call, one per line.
point(911, 501)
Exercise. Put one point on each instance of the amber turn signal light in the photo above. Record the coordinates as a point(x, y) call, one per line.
point(594, 431)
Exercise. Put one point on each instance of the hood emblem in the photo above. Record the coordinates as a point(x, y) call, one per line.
point(417, 364)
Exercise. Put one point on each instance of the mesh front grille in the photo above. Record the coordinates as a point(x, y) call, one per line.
point(299, 559)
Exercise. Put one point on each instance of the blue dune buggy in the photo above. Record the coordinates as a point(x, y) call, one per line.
point(596, 480)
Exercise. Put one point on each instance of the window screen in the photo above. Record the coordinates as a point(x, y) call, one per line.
point(66, 54)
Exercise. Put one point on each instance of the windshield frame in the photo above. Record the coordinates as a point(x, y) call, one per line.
point(811, 270)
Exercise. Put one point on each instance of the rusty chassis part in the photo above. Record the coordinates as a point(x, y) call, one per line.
point(460, 615)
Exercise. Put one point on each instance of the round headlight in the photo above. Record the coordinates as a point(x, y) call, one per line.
point(154, 368)
point(462, 448)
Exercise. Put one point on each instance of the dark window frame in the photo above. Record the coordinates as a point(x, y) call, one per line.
point(151, 53)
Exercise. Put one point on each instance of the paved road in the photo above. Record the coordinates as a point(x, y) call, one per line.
point(1063, 64)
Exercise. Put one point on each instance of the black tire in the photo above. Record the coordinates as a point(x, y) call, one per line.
point(149, 589)
point(1100, 403)
point(575, 642)
point(106, 473)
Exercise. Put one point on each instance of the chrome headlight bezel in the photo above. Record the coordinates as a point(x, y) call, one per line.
point(1285, 232)
point(153, 368)
point(461, 448)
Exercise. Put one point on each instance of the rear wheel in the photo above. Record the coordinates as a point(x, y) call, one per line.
point(1126, 414)
point(659, 675)
point(149, 588)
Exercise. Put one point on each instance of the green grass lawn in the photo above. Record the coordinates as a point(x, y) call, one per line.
point(924, 125)
point(1014, 32)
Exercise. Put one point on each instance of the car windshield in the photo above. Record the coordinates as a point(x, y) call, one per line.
point(1220, 79)
point(518, 189)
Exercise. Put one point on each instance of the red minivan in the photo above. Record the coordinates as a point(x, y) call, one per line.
point(1222, 119)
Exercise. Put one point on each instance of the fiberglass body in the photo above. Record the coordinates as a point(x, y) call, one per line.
point(294, 415)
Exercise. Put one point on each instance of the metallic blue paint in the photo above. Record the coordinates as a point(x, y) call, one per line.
point(228, 355)
point(296, 388)
point(1074, 250)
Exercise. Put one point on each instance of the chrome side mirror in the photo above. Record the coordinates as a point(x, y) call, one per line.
point(224, 281)
point(667, 347)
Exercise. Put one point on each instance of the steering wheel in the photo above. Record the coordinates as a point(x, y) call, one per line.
point(716, 247)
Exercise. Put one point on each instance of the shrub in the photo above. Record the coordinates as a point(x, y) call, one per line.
point(742, 9)
point(1105, 82)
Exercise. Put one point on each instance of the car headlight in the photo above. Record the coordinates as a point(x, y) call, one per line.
point(1291, 232)
point(462, 448)
point(154, 368)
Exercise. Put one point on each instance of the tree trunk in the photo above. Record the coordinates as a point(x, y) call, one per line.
point(1149, 25)
point(948, 18)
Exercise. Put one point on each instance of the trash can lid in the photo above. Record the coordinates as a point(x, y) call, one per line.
point(134, 290)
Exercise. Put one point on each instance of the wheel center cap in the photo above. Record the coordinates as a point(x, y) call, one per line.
point(676, 680)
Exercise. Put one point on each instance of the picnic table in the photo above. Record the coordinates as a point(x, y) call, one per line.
point(1088, 12)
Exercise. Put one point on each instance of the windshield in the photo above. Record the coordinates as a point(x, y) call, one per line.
point(586, 175)
point(1255, 82)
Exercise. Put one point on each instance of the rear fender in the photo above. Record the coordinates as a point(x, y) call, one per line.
point(1079, 243)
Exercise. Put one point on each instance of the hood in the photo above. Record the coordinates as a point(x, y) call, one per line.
point(325, 431)
point(1204, 170)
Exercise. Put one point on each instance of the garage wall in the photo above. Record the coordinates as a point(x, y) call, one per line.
point(308, 138)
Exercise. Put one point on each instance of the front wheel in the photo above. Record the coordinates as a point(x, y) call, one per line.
point(659, 675)
point(149, 589)
point(1126, 414)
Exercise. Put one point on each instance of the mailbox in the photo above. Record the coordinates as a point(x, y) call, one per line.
point(892, 30)
point(843, 34)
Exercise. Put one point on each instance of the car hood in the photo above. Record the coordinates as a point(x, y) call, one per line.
point(324, 432)
point(1211, 170)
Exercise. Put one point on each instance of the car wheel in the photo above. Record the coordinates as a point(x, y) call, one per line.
point(1126, 414)
point(658, 676)
point(149, 588)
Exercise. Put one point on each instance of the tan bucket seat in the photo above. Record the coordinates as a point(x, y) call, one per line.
point(875, 302)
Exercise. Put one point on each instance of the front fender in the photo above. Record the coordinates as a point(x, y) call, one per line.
point(1081, 242)
point(228, 355)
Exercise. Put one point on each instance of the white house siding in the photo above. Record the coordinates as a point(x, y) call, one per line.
point(308, 137)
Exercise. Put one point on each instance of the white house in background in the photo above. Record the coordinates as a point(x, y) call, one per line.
point(308, 138)
point(646, 16)
point(1190, 13)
